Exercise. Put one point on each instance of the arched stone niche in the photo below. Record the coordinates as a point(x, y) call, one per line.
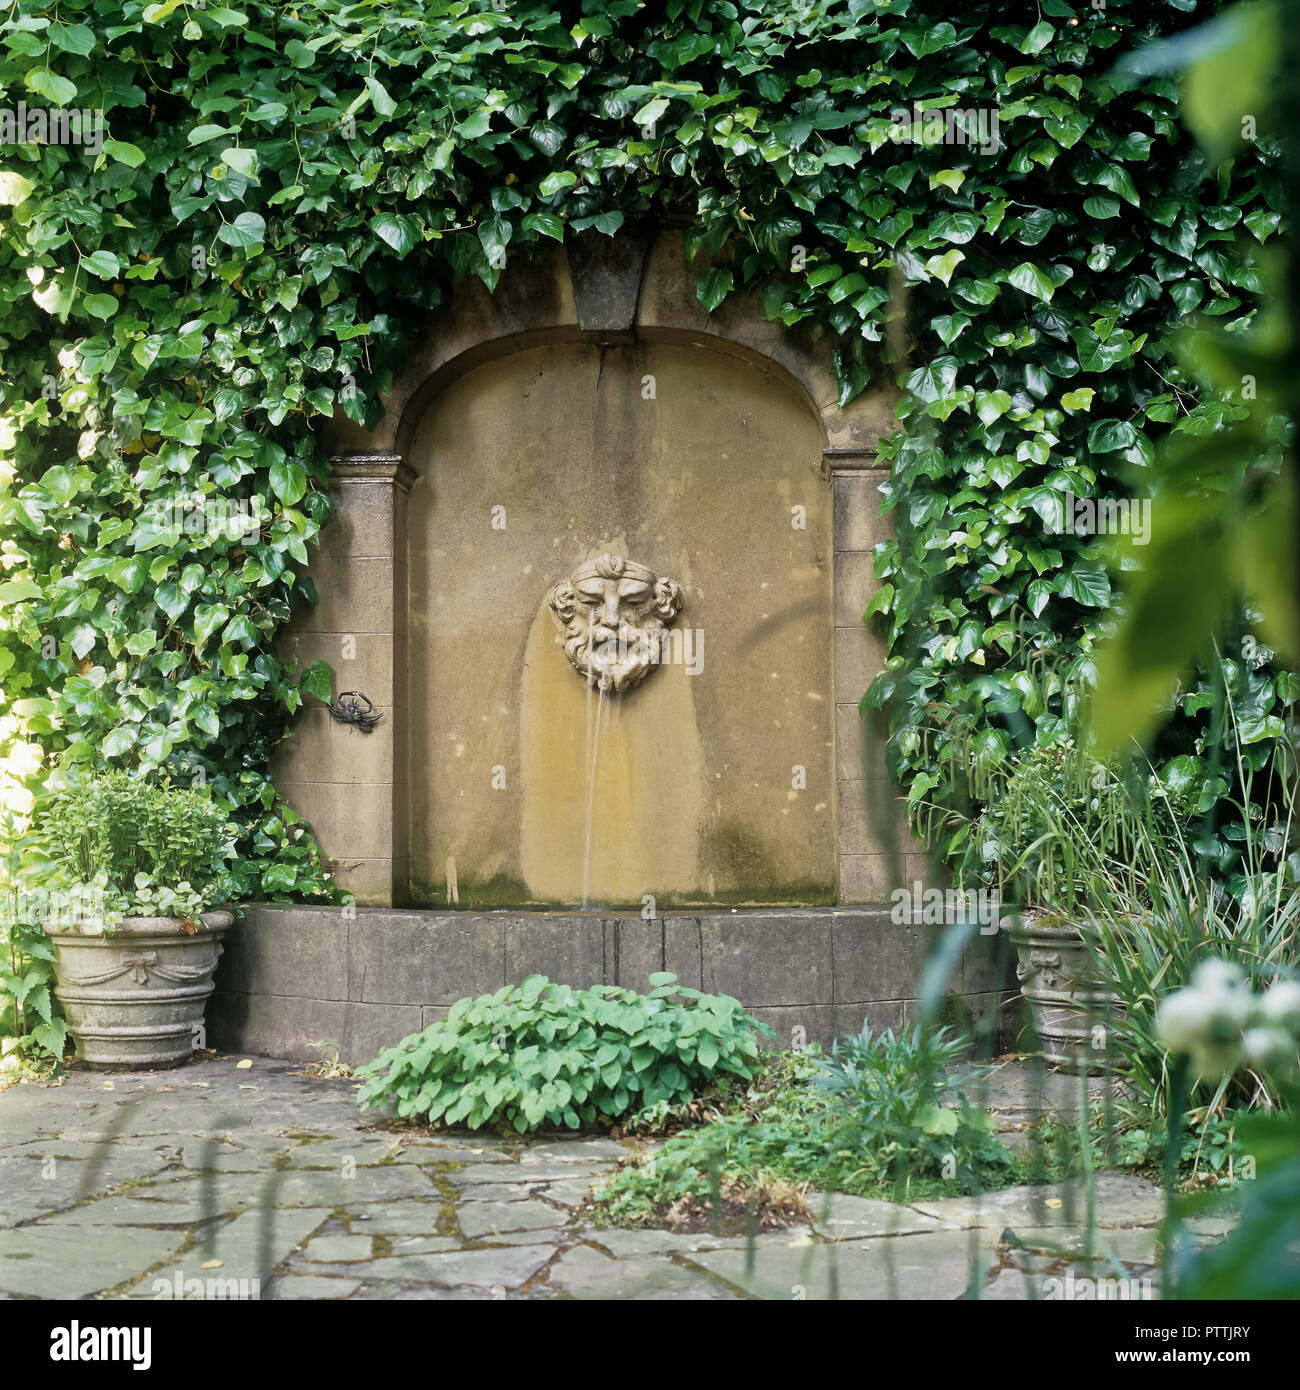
point(533, 399)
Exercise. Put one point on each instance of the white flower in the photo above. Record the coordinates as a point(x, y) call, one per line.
point(1269, 1047)
point(1182, 1020)
point(1281, 1005)
point(1218, 975)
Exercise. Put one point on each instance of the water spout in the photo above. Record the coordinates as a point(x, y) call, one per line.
point(591, 785)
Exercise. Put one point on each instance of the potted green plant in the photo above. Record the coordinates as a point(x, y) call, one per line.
point(1067, 838)
point(138, 872)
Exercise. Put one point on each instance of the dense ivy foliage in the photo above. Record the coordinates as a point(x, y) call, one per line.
point(285, 191)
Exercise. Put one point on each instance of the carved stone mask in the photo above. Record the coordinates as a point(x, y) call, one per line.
point(611, 614)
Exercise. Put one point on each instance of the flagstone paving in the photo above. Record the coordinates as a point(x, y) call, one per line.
point(218, 1181)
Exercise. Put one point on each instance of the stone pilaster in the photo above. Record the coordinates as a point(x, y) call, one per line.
point(869, 821)
point(352, 786)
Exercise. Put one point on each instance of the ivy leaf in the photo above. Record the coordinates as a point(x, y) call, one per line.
point(288, 480)
point(401, 232)
point(934, 382)
point(383, 104)
point(545, 222)
point(1038, 37)
point(14, 188)
point(713, 286)
point(1087, 584)
point(1027, 276)
point(1118, 180)
point(245, 232)
point(554, 183)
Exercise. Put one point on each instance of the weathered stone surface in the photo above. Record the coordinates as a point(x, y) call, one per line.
point(410, 1218)
point(483, 1220)
point(567, 1194)
point(1123, 1200)
point(337, 1249)
point(31, 1185)
point(586, 1151)
point(798, 975)
point(122, 1211)
point(249, 1247)
point(301, 1286)
point(420, 1219)
point(935, 1265)
point(606, 275)
point(840, 1217)
point(539, 1172)
point(508, 1267)
point(648, 1242)
point(586, 1274)
point(226, 1192)
point(74, 1263)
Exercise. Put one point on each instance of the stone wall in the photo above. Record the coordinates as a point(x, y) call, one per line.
point(379, 802)
point(296, 977)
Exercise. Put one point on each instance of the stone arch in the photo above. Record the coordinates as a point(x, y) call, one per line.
point(595, 290)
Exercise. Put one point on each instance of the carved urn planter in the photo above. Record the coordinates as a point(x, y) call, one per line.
point(1063, 981)
point(134, 998)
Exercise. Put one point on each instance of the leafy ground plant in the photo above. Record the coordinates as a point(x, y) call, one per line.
point(881, 1116)
point(541, 1055)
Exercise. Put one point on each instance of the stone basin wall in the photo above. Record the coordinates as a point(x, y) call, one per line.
point(295, 977)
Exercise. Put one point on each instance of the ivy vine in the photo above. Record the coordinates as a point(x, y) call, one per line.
point(284, 192)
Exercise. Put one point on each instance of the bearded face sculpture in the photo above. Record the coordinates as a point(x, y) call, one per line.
point(612, 614)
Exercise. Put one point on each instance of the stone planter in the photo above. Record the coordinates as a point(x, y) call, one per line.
point(135, 998)
point(1069, 1000)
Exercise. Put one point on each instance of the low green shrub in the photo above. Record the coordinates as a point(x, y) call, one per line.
point(542, 1054)
point(879, 1116)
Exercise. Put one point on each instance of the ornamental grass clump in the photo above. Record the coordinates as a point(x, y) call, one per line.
point(541, 1055)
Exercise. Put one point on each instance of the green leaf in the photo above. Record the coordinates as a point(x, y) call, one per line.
point(14, 188)
point(125, 153)
point(1087, 584)
point(553, 183)
point(1027, 276)
point(245, 232)
point(49, 84)
point(547, 223)
point(401, 232)
point(713, 287)
point(1038, 37)
point(102, 306)
point(288, 480)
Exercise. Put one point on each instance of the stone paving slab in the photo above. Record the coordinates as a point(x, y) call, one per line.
point(62, 1262)
point(156, 1175)
point(483, 1220)
point(1121, 1201)
point(930, 1265)
point(583, 1273)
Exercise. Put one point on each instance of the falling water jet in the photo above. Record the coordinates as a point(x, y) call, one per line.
point(591, 788)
